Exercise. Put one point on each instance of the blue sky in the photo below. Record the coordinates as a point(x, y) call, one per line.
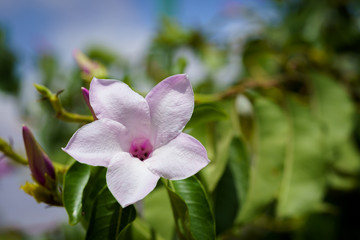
point(124, 25)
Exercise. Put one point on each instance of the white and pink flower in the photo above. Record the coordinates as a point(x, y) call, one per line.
point(139, 139)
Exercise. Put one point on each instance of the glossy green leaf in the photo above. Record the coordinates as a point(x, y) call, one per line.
point(96, 183)
point(193, 215)
point(303, 184)
point(269, 149)
point(75, 181)
point(226, 203)
point(108, 218)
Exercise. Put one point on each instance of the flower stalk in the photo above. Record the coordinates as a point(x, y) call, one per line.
point(61, 113)
point(6, 148)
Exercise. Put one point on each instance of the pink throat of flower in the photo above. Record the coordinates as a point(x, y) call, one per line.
point(141, 148)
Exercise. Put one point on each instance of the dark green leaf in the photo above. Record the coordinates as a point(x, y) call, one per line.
point(75, 181)
point(181, 215)
point(94, 186)
point(226, 203)
point(190, 203)
point(239, 164)
point(269, 152)
point(108, 218)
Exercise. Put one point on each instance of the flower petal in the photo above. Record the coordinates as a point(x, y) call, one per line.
point(129, 180)
point(117, 101)
point(171, 105)
point(97, 143)
point(180, 158)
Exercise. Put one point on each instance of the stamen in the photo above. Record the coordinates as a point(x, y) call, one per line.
point(141, 148)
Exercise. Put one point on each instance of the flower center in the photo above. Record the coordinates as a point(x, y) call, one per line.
point(141, 148)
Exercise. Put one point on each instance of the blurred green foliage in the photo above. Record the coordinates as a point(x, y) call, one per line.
point(286, 168)
point(9, 81)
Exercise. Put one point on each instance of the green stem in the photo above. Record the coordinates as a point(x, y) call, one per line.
point(61, 113)
point(8, 151)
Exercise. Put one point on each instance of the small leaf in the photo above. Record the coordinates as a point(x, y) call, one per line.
point(190, 203)
point(76, 179)
point(108, 218)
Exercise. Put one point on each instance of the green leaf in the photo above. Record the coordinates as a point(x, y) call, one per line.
point(239, 164)
point(215, 169)
point(271, 130)
point(346, 168)
point(219, 138)
point(140, 230)
point(333, 108)
point(108, 218)
point(348, 158)
point(193, 216)
point(76, 179)
point(206, 112)
point(94, 186)
point(157, 212)
point(226, 203)
point(303, 184)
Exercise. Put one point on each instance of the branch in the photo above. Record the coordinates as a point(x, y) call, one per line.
point(6, 148)
point(234, 90)
point(61, 113)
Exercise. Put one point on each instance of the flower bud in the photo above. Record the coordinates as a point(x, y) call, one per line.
point(39, 163)
point(85, 93)
point(243, 105)
point(89, 67)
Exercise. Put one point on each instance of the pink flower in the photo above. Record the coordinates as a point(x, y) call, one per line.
point(139, 139)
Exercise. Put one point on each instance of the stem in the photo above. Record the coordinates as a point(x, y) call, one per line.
point(61, 113)
point(234, 90)
point(8, 151)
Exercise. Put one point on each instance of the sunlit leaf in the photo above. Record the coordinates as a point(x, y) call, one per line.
point(267, 163)
point(333, 108)
point(303, 184)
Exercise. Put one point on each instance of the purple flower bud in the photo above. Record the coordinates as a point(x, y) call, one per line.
point(85, 93)
point(39, 163)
